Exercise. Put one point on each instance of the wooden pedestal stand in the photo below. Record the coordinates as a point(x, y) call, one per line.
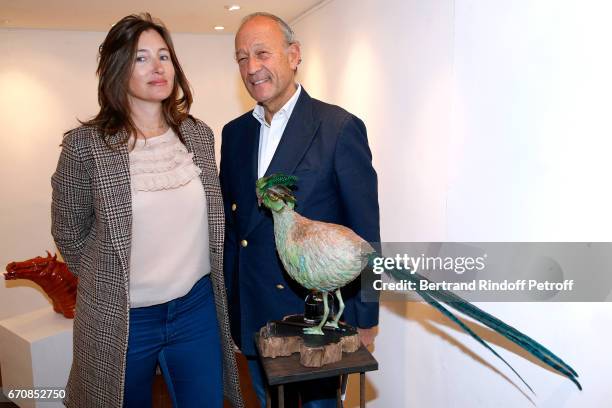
point(320, 356)
point(283, 338)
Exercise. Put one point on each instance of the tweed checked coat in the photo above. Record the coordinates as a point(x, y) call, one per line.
point(91, 225)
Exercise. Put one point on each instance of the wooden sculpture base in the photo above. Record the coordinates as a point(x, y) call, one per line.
point(282, 338)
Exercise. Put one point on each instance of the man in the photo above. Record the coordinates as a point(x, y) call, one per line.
point(326, 148)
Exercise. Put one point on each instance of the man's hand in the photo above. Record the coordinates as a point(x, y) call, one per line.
point(367, 336)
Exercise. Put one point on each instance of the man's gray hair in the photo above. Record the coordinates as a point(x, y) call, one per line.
point(287, 31)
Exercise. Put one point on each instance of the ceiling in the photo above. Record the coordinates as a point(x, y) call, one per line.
point(190, 16)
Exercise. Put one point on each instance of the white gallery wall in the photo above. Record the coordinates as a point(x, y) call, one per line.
point(488, 121)
point(47, 81)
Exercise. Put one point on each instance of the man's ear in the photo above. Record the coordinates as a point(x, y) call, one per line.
point(295, 55)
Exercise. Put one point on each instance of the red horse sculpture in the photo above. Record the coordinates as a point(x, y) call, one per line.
point(52, 276)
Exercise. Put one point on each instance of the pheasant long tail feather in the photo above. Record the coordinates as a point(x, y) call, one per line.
point(433, 297)
point(429, 299)
point(512, 334)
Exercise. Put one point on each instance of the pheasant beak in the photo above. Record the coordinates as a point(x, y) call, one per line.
point(259, 201)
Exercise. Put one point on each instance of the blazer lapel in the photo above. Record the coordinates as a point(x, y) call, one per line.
point(250, 153)
point(248, 177)
point(297, 137)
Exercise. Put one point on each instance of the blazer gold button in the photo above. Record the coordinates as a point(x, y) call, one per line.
point(234, 207)
point(244, 243)
point(280, 287)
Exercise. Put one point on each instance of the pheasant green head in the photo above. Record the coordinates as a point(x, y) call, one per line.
point(274, 192)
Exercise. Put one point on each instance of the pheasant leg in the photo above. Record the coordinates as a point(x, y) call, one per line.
point(340, 310)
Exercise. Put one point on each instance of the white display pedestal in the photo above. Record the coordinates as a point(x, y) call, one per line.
point(35, 352)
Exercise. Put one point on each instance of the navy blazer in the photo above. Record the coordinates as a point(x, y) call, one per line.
point(326, 147)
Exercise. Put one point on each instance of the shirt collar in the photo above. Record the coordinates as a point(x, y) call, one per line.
point(287, 109)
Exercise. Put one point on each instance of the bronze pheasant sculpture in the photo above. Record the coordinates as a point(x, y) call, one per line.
point(326, 257)
point(318, 255)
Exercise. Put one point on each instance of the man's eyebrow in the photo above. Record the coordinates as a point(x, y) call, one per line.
point(255, 45)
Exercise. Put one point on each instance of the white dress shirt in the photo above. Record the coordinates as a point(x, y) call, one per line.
point(270, 134)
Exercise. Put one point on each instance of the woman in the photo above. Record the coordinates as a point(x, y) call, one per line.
point(138, 217)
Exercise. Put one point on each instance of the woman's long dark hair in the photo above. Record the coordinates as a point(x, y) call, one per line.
point(115, 64)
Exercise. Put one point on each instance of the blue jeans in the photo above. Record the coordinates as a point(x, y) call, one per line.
point(314, 393)
point(183, 337)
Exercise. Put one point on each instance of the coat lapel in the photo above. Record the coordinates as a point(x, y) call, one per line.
point(297, 138)
point(209, 179)
point(197, 154)
point(113, 167)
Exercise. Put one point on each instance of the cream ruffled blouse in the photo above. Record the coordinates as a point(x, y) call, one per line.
point(161, 163)
point(169, 247)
